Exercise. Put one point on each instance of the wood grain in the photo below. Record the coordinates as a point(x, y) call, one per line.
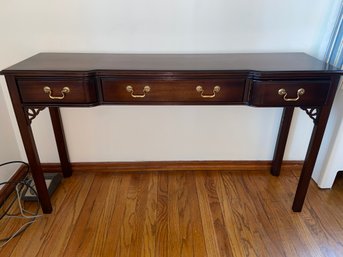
point(194, 213)
point(148, 166)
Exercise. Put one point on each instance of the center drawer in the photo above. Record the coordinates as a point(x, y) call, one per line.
point(188, 91)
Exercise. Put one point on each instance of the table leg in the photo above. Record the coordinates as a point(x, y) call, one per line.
point(282, 140)
point(30, 146)
point(57, 125)
point(35, 165)
point(310, 159)
point(320, 117)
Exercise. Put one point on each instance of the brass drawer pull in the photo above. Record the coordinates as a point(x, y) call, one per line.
point(129, 89)
point(283, 93)
point(199, 89)
point(64, 91)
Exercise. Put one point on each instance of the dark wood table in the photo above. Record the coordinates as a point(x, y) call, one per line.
point(285, 80)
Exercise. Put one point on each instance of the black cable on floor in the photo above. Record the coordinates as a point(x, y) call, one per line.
point(20, 186)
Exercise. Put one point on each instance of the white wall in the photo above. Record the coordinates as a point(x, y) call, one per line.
point(8, 145)
point(121, 133)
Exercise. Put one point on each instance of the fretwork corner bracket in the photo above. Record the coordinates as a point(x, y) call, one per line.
point(313, 113)
point(32, 112)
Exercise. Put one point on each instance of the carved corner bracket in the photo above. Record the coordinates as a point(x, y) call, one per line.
point(32, 112)
point(313, 113)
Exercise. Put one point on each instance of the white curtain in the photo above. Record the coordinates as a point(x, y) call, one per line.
point(334, 54)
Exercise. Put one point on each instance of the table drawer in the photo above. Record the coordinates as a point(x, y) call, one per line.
point(197, 91)
point(57, 91)
point(289, 93)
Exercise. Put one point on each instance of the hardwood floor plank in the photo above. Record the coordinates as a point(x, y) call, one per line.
point(149, 226)
point(140, 215)
point(8, 227)
point(228, 196)
point(66, 216)
point(162, 214)
point(116, 212)
point(82, 240)
point(174, 237)
point(247, 227)
point(324, 222)
point(192, 204)
point(198, 214)
point(128, 222)
point(92, 223)
point(216, 236)
point(272, 214)
point(185, 226)
point(67, 202)
point(105, 230)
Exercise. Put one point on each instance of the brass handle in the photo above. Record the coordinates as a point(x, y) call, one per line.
point(129, 89)
point(199, 89)
point(283, 93)
point(64, 91)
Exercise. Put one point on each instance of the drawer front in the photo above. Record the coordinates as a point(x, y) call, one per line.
point(57, 91)
point(195, 91)
point(289, 93)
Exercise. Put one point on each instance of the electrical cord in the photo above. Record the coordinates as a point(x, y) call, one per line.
point(8, 182)
point(21, 162)
point(23, 214)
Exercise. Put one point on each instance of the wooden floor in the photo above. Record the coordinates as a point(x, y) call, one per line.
point(184, 214)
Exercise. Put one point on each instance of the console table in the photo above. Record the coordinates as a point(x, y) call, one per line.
point(285, 80)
